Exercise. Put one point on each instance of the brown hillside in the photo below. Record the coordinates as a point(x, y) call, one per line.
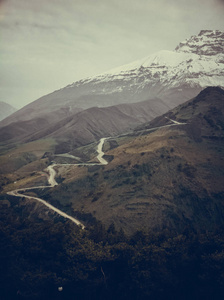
point(169, 178)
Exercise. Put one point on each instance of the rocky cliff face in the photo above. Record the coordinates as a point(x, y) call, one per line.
point(208, 42)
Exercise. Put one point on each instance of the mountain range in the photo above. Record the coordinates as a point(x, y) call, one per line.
point(91, 108)
point(6, 110)
point(174, 76)
point(84, 127)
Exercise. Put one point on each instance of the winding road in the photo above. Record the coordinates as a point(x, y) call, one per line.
point(17, 194)
point(52, 173)
point(101, 153)
point(52, 182)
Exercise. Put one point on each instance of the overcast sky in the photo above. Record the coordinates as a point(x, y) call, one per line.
point(48, 44)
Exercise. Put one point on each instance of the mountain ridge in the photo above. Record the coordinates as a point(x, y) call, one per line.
point(85, 126)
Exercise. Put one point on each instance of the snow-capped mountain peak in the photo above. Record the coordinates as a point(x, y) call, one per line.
point(195, 64)
point(161, 58)
point(207, 43)
point(172, 76)
point(205, 50)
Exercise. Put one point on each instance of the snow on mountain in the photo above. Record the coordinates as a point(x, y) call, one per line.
point(208, 42)
point(172, 76)
point(197, 62)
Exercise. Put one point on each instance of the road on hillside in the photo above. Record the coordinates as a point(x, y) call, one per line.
point(52, 173)
point(101, 153)
point(52, 182)
point(63, 214)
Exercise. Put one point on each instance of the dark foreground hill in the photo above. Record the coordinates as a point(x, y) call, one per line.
point(37, 258)
point(171, 177)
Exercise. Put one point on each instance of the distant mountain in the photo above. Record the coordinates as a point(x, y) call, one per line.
point(84, 127)
point(170, 177)
point(173, 76)
point(5, 110)
point(16, 131)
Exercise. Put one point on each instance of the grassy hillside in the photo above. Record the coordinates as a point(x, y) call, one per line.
point(169, 178)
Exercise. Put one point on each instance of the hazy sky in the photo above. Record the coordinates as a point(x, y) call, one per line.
point(48, 44)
